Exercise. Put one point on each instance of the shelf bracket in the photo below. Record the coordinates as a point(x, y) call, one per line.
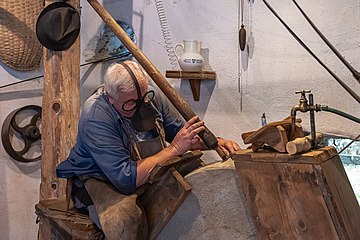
point(194, 79)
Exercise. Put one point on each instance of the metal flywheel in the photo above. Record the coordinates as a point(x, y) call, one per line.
point(20, 133)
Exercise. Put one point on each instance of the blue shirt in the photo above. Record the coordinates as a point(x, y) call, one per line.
point(102, 146)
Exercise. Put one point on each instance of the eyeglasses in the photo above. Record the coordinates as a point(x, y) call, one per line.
point(132, 104)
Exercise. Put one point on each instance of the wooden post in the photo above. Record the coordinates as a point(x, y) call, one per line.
point(60, 112)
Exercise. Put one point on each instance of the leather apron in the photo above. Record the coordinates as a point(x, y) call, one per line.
point(122, 216)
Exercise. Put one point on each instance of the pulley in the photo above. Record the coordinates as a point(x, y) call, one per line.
point(18, 138)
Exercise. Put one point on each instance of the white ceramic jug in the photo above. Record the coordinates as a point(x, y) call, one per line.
point(191, 59)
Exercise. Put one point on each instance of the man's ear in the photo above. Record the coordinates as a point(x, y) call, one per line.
point(111, 99)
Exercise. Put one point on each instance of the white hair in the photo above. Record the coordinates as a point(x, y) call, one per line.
point(117, 79)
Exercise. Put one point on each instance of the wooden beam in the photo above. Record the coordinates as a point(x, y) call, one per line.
point(60, 112)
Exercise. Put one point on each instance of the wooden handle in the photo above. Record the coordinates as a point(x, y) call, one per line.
point(179, 103)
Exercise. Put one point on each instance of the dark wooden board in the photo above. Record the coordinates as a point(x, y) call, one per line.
point(185, 164)
point(162, 200)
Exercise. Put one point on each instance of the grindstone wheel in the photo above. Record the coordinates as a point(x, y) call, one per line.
point(20, 134)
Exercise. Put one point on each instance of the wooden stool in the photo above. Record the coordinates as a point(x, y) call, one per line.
point(57, 225)
point(303, 196)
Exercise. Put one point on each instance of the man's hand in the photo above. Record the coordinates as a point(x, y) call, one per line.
point(228, 146)
point(187, 136)
point(184, 139)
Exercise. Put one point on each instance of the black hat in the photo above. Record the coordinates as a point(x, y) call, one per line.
point(58, 26)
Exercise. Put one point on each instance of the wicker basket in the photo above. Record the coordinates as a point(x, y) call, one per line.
point(19, 47)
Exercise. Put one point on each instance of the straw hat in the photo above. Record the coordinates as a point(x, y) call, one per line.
point(19, 47)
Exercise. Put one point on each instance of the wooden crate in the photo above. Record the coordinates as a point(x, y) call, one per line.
point(305, 196)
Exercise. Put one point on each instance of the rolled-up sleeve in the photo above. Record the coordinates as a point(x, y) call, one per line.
point(108, 151)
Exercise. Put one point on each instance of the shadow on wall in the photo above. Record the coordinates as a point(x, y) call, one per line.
point(18, 75)
point(206, 88)
point(7, 96)
point(248, 52)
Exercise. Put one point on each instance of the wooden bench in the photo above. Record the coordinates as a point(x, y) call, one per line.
point(57, 225)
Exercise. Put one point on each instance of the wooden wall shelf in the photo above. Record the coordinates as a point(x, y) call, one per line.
point(194, 79)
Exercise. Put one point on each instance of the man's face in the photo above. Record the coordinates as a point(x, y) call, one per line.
point(126, 96)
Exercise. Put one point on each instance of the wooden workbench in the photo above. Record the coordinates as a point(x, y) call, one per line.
point(304, 196)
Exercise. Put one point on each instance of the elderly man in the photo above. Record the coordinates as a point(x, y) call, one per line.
point(117, 125)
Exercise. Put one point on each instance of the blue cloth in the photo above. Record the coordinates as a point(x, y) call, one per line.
point(102, 148)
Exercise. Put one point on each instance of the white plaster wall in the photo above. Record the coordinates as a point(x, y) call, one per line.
point(262, 79)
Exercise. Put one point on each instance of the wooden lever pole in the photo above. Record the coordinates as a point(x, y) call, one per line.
point(207, 136)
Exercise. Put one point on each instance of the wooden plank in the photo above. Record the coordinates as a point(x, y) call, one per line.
point(60, 110)
point(184, 165)
point(316, 156)
point(203, 75)
point(162, 200)
point(286, 201)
